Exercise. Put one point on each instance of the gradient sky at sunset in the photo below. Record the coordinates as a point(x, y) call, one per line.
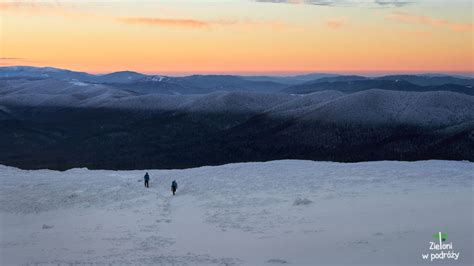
point(240, 36)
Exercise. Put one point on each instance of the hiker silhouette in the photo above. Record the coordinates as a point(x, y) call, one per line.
point(147, 178)
point(174, 187)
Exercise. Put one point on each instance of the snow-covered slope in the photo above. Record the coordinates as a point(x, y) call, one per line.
point(304, 103)
point(44, 120)
point(120, 77)
point(44, 72)
point(50, 92)
point(208, 103)
point(237, 102)
point(68, 75)
point(292, 212)
point(439, 108)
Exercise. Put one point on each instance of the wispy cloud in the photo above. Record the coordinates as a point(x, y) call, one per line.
point(308, 2)
point(206, 24)
point(392, 3)
point(430, 21)
point(187, 23)
point(43, 8)
point(52, 9)
point(23, 6)
point(324, 2)
point(10, 58)
point(369, 3)
point(335, 23)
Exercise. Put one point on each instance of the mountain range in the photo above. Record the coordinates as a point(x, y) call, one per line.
point(202, 84)
point(59, 119)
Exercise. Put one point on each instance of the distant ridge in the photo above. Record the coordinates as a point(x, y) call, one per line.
point(202, 84)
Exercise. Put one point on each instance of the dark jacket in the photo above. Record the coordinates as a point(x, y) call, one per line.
point(147, 177)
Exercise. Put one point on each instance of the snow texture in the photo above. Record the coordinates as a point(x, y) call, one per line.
point(437, 108)
point(373, 213)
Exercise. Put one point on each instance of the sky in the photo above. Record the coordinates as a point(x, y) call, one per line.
point(240, 36)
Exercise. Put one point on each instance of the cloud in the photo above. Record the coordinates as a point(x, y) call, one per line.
point(23, 6)
point(10, 61)
point(44, 8)
point(335, 23)
point(324, 2)
point(281, 1)
point(309, 2)
point(186, 23)
point(52, 9)
point(10, 58)
point(430, 21)
point(392, 3)
point(207, 24)
point(369, 3)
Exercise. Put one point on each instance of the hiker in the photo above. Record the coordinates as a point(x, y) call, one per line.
point(147, 178)
point(174, 186)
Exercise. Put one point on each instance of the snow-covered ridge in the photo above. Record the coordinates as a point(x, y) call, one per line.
point(380, 106)
point(370, 106)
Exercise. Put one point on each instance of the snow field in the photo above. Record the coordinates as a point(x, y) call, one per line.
point(280, 212)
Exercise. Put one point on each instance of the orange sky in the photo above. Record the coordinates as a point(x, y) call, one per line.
point(239, 36)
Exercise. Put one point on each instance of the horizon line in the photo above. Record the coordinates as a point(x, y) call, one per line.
point(279, 73)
